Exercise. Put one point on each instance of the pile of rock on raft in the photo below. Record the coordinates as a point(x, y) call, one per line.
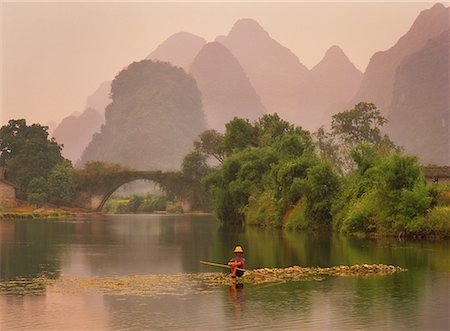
point(266, 275)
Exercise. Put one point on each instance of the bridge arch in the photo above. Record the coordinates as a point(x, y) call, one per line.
point(113, 190)
point(93, 189)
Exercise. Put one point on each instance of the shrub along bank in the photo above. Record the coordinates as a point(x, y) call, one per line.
point(141, 204)
point(351, 180)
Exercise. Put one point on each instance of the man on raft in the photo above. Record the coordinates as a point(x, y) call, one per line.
point(237, 262)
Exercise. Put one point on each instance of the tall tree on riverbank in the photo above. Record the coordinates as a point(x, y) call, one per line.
point(262, 159)
point(28, 153)
point(360, 125)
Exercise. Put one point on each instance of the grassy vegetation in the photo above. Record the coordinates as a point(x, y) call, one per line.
point(295, 218)
point(55, 213)
point(141, 204)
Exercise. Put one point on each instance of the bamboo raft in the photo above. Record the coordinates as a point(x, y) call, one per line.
point(182, 284)
point(295, 273)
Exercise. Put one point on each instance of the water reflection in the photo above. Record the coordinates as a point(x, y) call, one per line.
point(237, 299)
point(29, 250)
point(144, 244)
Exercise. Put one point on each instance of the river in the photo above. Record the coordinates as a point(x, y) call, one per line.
point(115, 246)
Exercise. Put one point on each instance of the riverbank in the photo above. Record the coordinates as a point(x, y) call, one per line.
point(50, 211)
point(26, 211)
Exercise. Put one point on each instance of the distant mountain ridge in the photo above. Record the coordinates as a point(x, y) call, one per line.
point(409, 84)
point(378, 81)
point(100, 98)
point(420, 111)
point(179, 49)
point(252, 74)
point(226, 90)
point(329, 85)
point(275, 72)
point(75, 132)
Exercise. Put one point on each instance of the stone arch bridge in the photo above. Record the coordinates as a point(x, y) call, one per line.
point(93, 188)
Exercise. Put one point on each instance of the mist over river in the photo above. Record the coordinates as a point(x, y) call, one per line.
point(163, 248)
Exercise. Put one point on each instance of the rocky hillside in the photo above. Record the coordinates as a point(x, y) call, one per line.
point(226, 90)
point(420, 110)
point(378, 81)
point(155, 115)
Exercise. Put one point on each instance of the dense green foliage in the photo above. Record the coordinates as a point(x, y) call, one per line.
point(58, 188)
point(61, 184)
point(267, 171)
point(38, 192)
point(210, 144)
point(155, 114)
point(352, 179)
point(385, 195)
point(193, 169)
point(142, 204)
point(28, 153)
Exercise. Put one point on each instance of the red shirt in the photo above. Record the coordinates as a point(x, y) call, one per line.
point(241, 261)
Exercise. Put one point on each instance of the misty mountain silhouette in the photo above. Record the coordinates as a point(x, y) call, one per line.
point(100, 98)
point(274, 71)
point(378, 81)
point(226, 90)
point(252, 73)
point(330, 84)
point(420, 111)
point(75, 132)
point(180, 49)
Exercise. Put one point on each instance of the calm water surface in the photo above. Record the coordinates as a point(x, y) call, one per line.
point(116, 246)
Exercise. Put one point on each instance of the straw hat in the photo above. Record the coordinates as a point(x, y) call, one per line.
point(238, 249)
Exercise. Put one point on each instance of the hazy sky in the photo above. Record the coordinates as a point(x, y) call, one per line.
point(53, 55)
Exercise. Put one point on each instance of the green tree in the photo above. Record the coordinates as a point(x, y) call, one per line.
point(194, 168)
point(38, 191)
point(239, 134)
point(270, 128)
point(259, 169)
point(211, 144)
point(350, 128)
point(386, 194)
point(135, 202)
point(327, 148)
point(321, 188)
point(241, 174)
point(359, 125)
point(27, 153)
point(61, 183)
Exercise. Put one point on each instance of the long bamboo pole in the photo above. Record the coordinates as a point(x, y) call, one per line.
point(219, 265)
